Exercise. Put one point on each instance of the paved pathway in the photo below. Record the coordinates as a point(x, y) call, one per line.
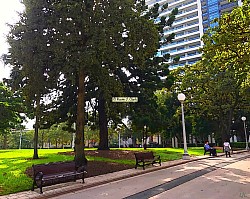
point(198, 178)
point(169, 170)
point(231, 181)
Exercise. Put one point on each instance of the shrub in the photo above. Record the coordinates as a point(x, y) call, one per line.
point(240, 145)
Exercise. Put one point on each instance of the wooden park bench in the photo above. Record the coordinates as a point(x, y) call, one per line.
point(55, 173)
point(146, 158)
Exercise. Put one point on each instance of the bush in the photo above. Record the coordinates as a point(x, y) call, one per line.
point(241, 145)
point(113, 146)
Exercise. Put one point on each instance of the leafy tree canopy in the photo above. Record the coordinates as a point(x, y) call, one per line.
point(10, 109)
point(216, 86)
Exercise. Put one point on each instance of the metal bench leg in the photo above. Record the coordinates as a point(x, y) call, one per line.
point(41, 189)
point(33, 186)
point(83, 177)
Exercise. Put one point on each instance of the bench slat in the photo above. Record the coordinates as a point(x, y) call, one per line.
point(56, 167)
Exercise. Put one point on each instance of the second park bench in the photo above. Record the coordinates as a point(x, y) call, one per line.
point(146, 158)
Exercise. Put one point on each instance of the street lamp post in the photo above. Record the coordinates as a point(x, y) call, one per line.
point(73, 136)
point(119, 138)
point(181, 98)
point(145, 138)
point(119, 128)
point(244, 122)
point(20, 139)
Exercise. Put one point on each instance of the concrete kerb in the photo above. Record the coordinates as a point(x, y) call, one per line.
point(102, 179)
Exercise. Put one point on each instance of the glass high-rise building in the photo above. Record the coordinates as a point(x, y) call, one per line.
point(193, 19)
point(212, 9)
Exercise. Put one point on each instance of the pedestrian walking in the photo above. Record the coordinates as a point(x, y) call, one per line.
point(227, 148)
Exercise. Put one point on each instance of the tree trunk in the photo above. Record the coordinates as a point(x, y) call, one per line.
point(103, 124)
point(225, 124)
point(35, 155)
point(223, 133)
point(5, 139)
point(79, 139)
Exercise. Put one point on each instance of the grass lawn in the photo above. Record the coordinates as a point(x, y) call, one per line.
point(13, 163)
point(168, 154)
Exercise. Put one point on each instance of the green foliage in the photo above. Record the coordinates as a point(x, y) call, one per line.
point(228, 44)
point(216, 86)
point(77, 42)
point(167, 107)
point(240, 145)
point(31, 57)
point(153, 77)
point(10, 109)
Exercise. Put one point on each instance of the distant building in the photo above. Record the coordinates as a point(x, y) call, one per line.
point(193, 19)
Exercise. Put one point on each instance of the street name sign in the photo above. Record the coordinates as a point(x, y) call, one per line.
point(124, 99)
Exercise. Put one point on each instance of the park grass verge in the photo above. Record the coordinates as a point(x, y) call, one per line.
point(14, 163)
point(168, 154)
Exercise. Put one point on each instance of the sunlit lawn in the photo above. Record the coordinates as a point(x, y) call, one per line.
point(168, 154)
point(13, 163)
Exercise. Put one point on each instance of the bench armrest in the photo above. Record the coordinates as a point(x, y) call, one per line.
point(38, 176)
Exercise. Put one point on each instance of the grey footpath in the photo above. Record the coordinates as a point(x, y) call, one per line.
point(64, 188)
